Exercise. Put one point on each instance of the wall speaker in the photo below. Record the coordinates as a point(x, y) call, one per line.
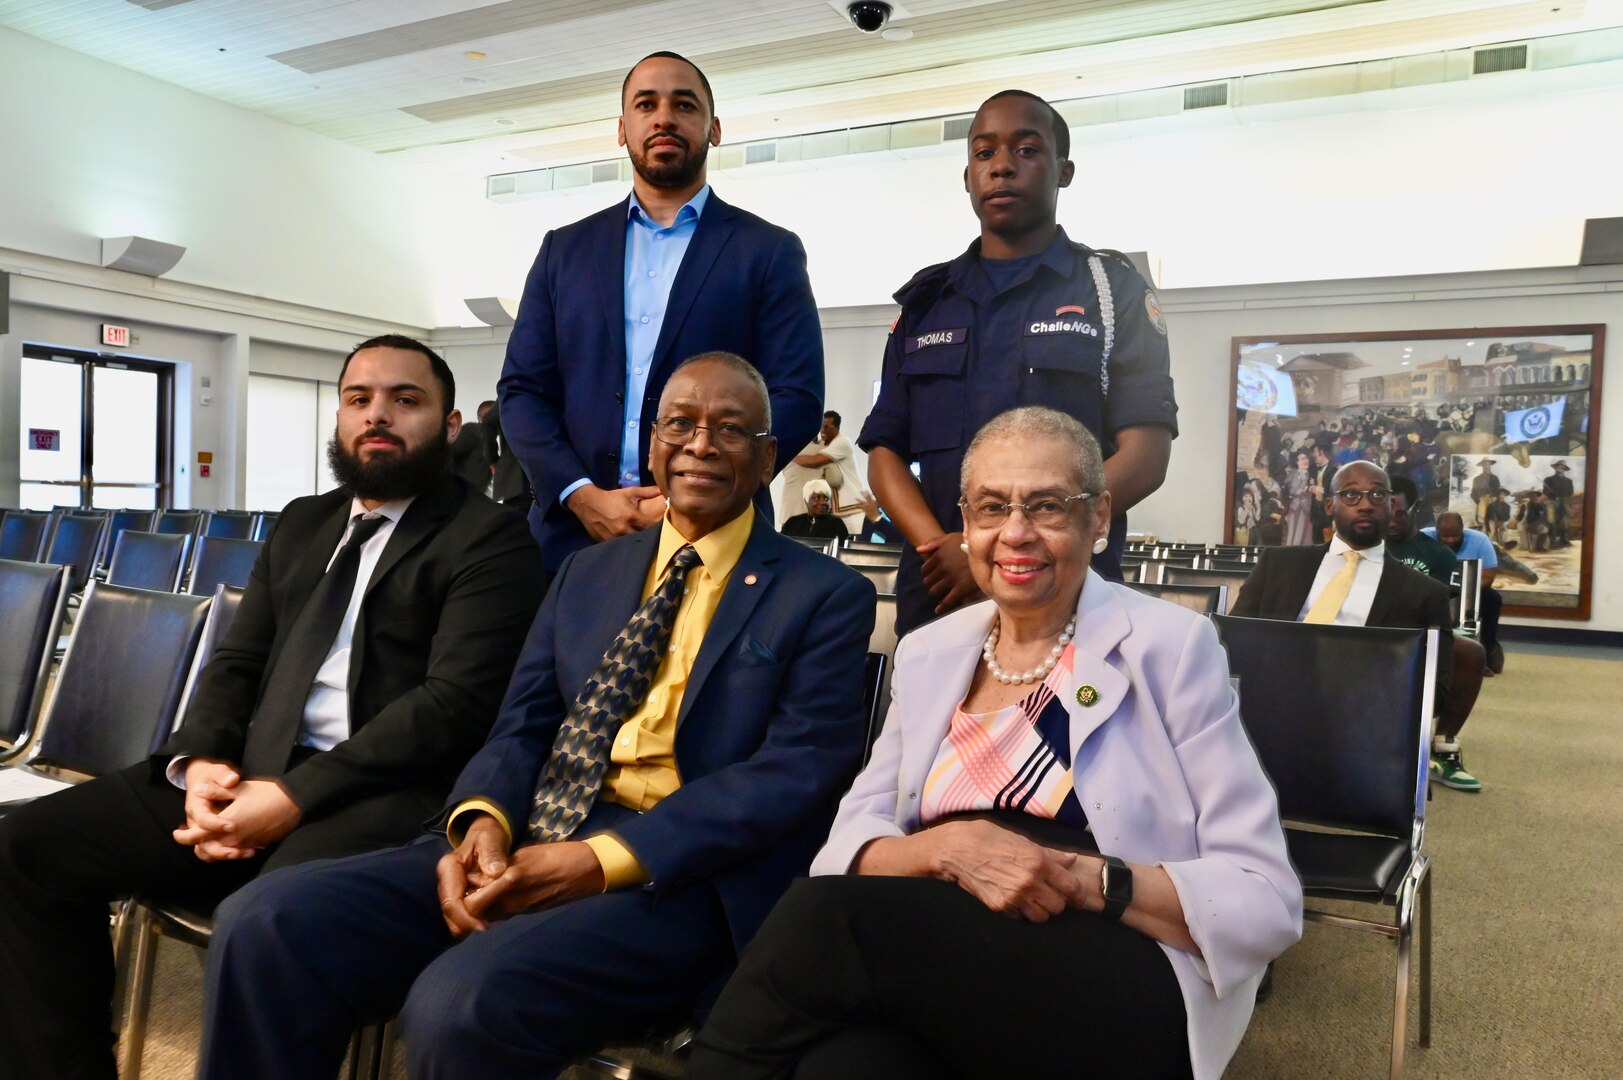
point(493, 310)
point(1603, 242)
point(138, 255)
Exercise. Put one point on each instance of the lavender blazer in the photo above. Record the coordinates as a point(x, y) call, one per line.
point(1161, 765)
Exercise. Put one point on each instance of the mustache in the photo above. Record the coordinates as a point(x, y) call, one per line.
point(680, 140)
point(379, 433)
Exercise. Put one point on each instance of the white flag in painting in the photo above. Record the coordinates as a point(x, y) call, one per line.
point(1530, 425)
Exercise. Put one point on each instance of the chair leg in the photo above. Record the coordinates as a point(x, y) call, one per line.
point(1425, 959)
point(143, 963)
point(1400, 994)
point(370, 1052)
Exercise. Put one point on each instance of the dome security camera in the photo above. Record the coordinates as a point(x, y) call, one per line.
point(870, 16)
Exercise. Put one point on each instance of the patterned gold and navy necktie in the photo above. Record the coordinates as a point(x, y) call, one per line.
point(573, 774)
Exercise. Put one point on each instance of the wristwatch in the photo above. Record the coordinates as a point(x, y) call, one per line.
point(1116, 882)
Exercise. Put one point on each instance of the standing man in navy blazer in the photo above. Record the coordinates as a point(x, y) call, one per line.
point(513, 955)
point(616, 301)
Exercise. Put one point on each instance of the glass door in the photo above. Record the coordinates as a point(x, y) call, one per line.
point(96, 431)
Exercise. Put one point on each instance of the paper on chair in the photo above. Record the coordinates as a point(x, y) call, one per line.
point(20, 785)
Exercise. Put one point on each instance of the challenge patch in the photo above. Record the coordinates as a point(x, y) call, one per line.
point(1043, 327)
point(931, 338)
point(1152, 308)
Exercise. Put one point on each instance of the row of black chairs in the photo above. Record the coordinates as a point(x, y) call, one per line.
point(86, 541)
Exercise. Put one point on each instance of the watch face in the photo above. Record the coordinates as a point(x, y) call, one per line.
point(1117, 883)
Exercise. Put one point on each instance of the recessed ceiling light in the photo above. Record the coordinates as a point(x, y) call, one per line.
point(896, 33)
point(503, 121)
point(474, 54)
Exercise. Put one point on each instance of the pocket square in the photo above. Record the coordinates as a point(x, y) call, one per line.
point(753, 652)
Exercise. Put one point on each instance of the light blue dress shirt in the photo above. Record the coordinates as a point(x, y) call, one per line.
point(653, 256)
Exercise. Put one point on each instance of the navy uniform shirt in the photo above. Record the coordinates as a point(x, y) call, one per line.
point(963, 350)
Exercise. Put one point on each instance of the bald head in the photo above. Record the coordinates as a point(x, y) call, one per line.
point(1451, 529)
point(1358, 505)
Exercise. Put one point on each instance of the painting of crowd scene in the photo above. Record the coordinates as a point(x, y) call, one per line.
point(1496, 425)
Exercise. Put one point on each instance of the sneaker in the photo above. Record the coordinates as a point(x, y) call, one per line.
point(1448, 769)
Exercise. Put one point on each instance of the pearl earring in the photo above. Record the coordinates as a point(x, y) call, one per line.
point(1100, 544)
point(964, 547)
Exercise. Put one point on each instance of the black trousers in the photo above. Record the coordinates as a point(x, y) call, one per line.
point(901, 978)
point(66, 857)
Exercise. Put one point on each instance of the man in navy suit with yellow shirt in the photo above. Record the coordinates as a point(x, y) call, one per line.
point(509, 945)
point(615, 301)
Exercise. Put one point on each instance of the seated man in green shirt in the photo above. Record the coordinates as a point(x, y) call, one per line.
point(1433, 557)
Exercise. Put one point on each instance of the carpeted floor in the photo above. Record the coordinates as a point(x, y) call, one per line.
point(1528, 942)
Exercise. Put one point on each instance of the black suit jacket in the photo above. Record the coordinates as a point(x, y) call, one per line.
point(1278, 588)
point(443, 618)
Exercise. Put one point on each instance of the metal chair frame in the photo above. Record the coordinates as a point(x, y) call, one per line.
point(1410, 892)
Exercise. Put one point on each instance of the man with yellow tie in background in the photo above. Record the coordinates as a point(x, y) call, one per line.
point(1349, 581)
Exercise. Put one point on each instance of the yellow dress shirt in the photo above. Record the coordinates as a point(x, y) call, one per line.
point(642, 760)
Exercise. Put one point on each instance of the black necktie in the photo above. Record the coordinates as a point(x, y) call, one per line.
point(573, 773)
point(281, 711)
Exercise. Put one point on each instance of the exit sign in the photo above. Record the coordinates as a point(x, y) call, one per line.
point(115, 335)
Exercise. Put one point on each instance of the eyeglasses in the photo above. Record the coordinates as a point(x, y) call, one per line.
point(1047, 512)
point(728, 438)
point(1376, 497)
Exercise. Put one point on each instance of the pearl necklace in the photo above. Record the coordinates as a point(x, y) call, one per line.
point(1036, 674)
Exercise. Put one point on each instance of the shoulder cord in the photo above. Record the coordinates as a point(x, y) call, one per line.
point(1107, 316)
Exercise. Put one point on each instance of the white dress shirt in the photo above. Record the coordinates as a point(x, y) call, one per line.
point(1355, 609)
point(326, 711)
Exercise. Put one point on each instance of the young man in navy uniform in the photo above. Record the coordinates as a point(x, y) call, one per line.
point(1024, 317)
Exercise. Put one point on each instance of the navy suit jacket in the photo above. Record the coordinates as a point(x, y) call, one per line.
point(742, 288)
point(771, 726)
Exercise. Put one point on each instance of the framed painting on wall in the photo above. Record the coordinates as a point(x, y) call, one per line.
point(1499, 425)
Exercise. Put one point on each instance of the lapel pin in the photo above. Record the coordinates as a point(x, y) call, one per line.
point(750, 579)
point(1086, 696)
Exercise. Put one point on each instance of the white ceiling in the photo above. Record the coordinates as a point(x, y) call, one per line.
point(395, 76)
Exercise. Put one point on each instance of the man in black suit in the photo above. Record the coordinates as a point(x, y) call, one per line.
point(364, 667)
point(1325, 583)
point(1289, 580)
point(470, 451)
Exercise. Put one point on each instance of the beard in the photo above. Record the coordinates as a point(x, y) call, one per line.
point(389, 476)
point(672, 174)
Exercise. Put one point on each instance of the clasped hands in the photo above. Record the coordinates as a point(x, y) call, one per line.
point(1013, 875)
point(228, 817)
point(480, 882)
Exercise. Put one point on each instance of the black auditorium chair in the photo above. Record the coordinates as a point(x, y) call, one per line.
point(1204, 599)
point(264, 522)
point(141, 921)
point(23, 534)
point(1352, 766)
point(119, 521)
point(883, 577)
point(117, 690)
point(75, 543)
point(178, 521)
point(222, 561)
point(230, 524)
point(148, 560)
point(33, 598)
point(1185, 575)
